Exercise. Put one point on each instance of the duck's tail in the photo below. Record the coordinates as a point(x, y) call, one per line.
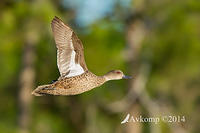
point(41, 90)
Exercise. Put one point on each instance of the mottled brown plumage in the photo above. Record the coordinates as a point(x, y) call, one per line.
point(71, 86)
point(75, 78)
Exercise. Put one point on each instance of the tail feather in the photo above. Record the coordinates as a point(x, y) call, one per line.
point(40, 90)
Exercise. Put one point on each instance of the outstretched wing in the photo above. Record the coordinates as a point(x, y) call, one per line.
point(70, 52)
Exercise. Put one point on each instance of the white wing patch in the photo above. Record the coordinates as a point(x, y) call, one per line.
point(75, 69)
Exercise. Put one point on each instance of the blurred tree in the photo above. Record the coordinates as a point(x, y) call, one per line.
point(163, 35)
point(27, 78)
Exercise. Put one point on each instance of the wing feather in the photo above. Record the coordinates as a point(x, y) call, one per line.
point(70, 52)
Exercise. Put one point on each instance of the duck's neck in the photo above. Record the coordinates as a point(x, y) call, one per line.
point(108, 77)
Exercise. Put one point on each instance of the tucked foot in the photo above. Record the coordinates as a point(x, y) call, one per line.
point(53, 81)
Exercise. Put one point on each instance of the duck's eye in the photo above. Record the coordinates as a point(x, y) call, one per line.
point(118, 72)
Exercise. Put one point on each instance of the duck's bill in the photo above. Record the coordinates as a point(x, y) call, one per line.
point(126, 77)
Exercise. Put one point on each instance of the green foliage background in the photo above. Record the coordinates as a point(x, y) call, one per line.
point(171, 47)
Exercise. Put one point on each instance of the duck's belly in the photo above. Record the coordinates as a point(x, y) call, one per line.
point(69, 87)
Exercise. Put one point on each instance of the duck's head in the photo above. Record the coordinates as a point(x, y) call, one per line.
point(115, 75)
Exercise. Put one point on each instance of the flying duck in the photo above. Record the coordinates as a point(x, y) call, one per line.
point(75, 78)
